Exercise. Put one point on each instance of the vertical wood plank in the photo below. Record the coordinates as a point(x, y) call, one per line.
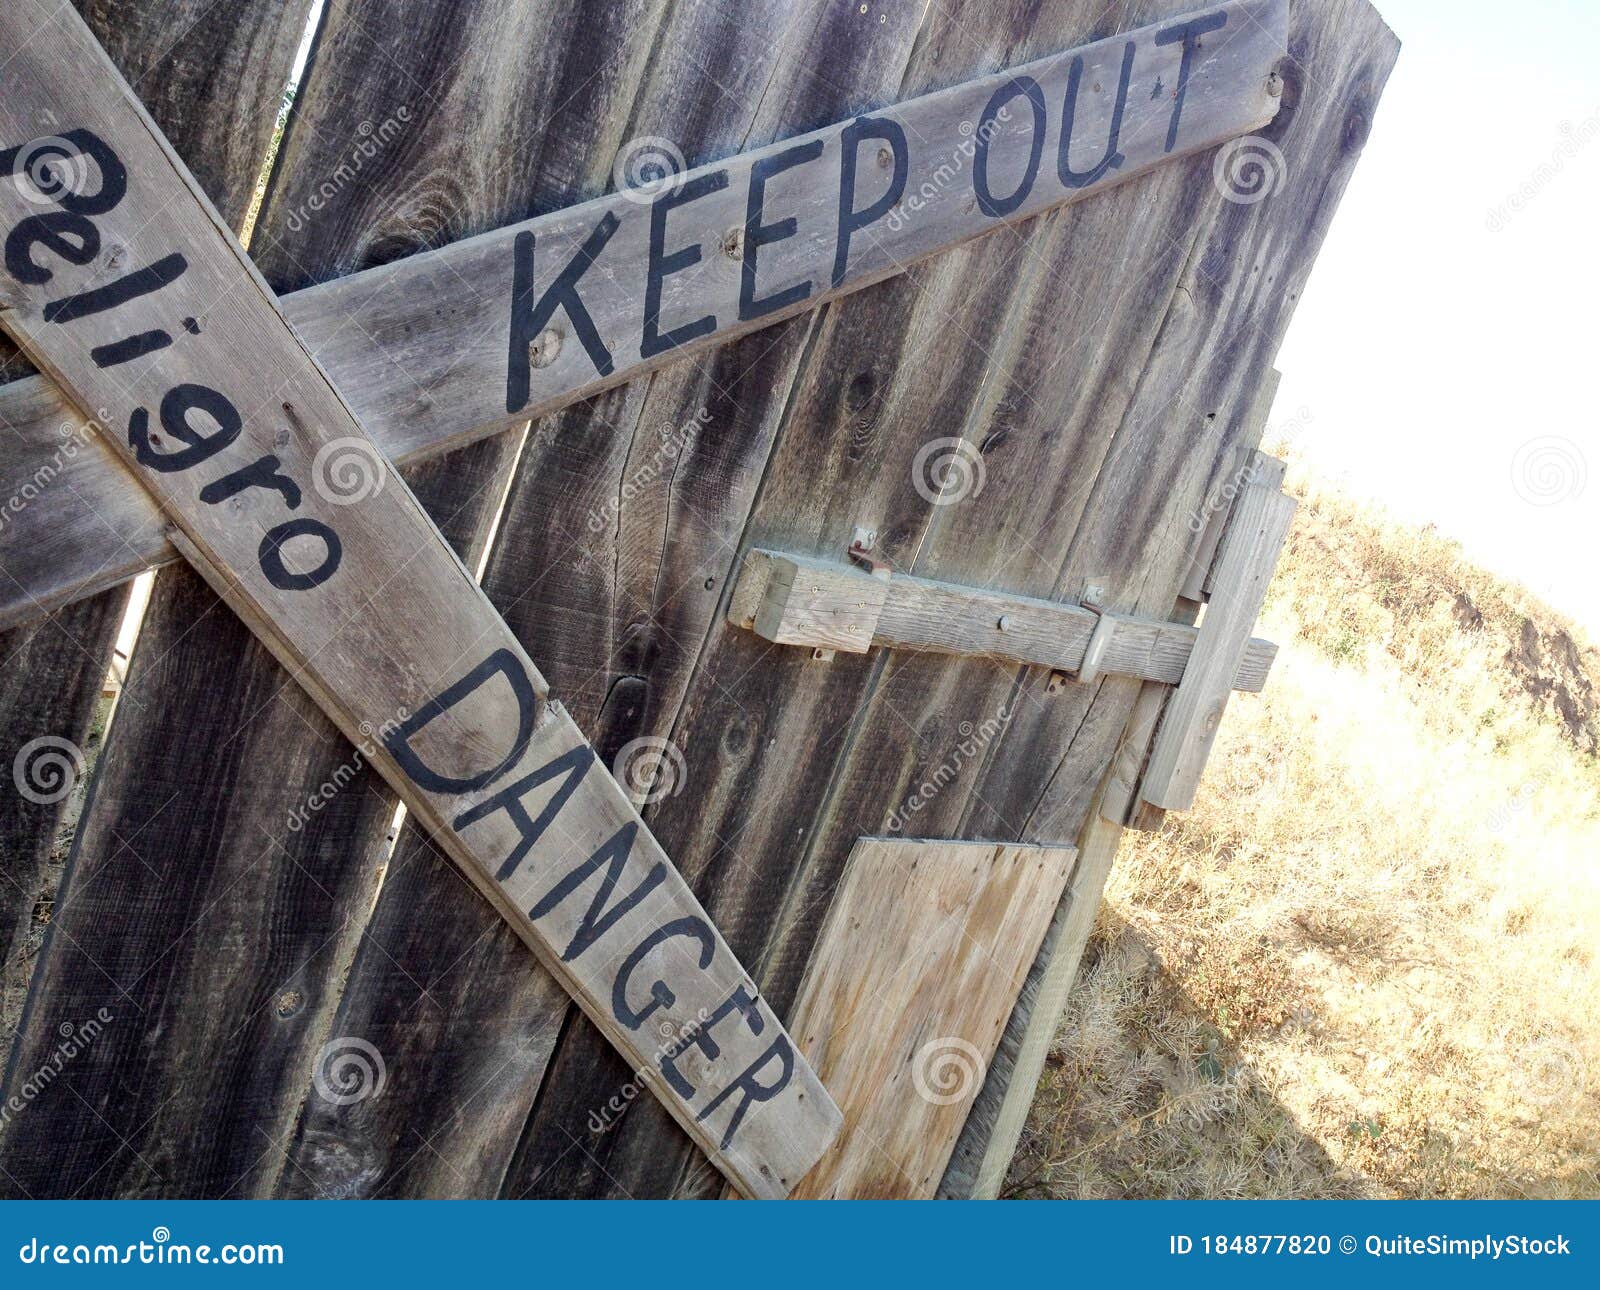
point(463, 1014)
point(644, 592)
point(1256, 532)
point(212, 73)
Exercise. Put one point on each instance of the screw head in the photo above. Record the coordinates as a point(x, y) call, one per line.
point(544, 347)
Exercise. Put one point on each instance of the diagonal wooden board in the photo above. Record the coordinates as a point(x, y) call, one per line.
point(926, 946)
point(122, 283)
point(455, 343)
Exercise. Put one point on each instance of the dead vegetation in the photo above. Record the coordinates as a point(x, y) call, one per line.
point(1364, 964)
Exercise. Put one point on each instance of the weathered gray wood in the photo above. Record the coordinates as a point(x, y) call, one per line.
point(926, 945)
point(409, 346)
point(440, 984)
point(646, 589)
point(213, 73)
point(1208, 525)
point(1044, 995)
point(413, 658)
point(266, 827)
point(766, 731)
point(811, 602)
point(1247, 269)
point(51, 676)
point(1257, 529)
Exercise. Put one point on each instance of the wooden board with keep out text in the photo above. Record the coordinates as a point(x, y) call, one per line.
point(455, 343)
point(122, 283)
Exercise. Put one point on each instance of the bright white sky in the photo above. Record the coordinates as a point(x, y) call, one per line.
point(1444, 368)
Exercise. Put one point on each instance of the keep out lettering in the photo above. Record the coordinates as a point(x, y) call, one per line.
point(672, 250)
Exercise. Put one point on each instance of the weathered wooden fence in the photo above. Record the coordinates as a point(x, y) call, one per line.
point(1104, 362)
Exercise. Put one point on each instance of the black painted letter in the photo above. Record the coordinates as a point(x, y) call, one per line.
point(1189, 34)
point(752, 1088)
point(660, 995)
point(528, 319)
point(176, 405)
point(663, 265)
point(271, 554)
point(1016, 87)
point(597, 919)
point(757, 234)
point(574, 764)
point(1111, 159)
point(398, 741)
point(852, 221)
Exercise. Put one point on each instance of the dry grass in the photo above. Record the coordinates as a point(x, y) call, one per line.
point(1365, 963)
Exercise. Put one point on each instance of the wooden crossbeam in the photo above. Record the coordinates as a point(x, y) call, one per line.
point(124, 285)
point(447, 346)
point(820, 604)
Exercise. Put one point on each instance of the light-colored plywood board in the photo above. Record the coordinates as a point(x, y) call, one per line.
point(926, 945)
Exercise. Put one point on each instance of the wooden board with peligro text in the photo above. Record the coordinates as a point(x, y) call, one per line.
point(124, 286)
point(455, 343)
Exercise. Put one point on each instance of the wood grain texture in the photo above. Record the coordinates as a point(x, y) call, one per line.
point(411, 351)
point(1219, 501)
point(51, 676)
point(1042, 995)
point(451, 997)
point(925, 948)
point(1257, 528)
point(633, 596)
point(760, 1113)
point(1246, 269)
point(213, 73)
point(643, 542)
point(811, 602)
point(884, 371)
